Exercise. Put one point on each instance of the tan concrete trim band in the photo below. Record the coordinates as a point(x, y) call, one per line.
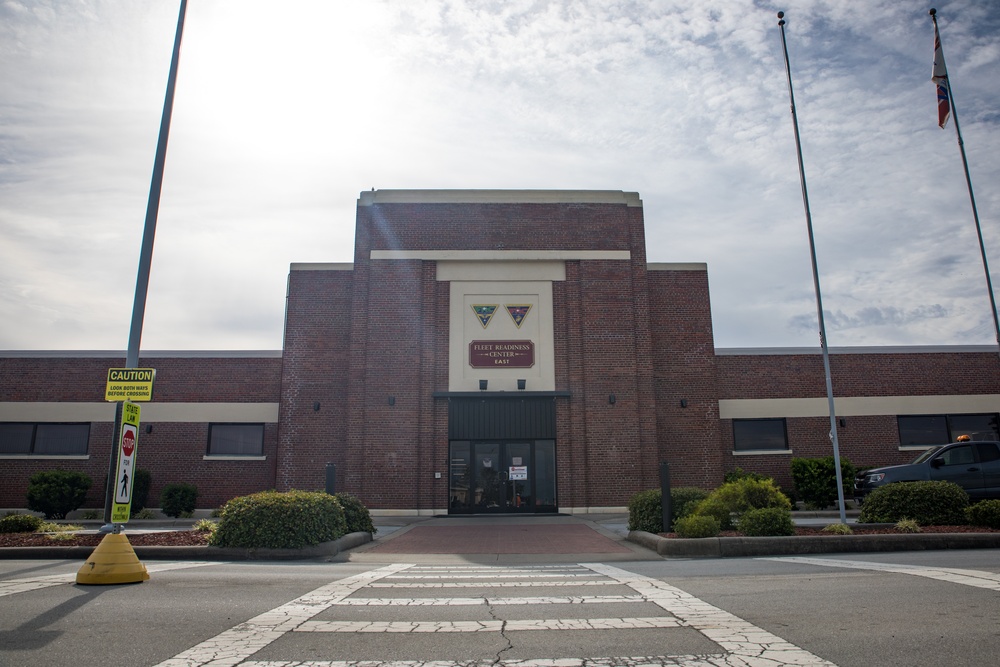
point(677, 266)
point(151, 412)
point(321, 266)
point(857, 406)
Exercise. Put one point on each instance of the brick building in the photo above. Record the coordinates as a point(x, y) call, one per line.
point(490, 351)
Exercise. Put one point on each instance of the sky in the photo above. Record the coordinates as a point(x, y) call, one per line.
point(285, 111)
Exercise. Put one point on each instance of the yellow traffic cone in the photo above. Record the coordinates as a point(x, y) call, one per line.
point(113, 562)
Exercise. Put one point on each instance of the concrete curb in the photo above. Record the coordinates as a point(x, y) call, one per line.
point(324, 550)
point(748, 547)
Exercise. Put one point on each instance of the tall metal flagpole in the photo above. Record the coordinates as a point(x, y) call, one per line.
point(146, 254)
point(940, 77)
point(815, 271)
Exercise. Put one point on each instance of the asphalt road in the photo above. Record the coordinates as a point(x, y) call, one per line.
point(921, 608)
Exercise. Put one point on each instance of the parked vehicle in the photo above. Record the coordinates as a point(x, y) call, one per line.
point(974, 466)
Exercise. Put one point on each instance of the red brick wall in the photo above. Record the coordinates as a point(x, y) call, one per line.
point(684, 359)
point(173, 452)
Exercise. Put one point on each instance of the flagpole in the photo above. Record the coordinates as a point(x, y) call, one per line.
point(968, 177)
point(815, 271)
point(145, 256)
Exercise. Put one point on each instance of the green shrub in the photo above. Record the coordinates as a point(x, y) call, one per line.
point(204, 526)
point(697, 526)
point(767, 521)
point(141, 481)
point(927, 503)
point(144, 513)
point(985, 513)
point(359, 519)
point(645, 511)
point(816, 480)
point(56, 493)
point(20, 523)
point(275, 520)
point(838, 529)
point(907, 526)
point(728, 502)
point(178, 498)
point(738, 473)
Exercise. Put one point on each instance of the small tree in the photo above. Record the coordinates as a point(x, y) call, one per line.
point(56, 493)
point(178, 499)
point(816, 480)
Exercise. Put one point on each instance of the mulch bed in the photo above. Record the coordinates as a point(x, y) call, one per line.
point(812, 531)
point(176, 538)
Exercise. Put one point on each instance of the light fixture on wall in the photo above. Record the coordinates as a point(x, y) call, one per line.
point(521, 384)
point(482, 385)
point(316, 406)
point(149, 428)
point(392, 400)
point(684, 402)
point(843, 422)
point(612, 399)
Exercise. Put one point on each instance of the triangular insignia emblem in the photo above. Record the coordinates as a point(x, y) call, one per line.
point(518, 312)
point(484, 312)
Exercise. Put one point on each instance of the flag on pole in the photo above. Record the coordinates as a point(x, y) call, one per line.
point(940, 79)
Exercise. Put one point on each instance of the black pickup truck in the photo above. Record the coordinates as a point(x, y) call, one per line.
point(974, 466)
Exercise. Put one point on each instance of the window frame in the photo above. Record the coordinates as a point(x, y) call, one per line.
point(949, 430)
point(737, 449)
point(258, 455)
point(81, 440)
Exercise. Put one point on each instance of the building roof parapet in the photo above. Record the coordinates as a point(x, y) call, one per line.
point(372, 197)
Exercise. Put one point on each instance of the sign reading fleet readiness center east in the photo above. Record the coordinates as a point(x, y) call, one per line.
point(130, 384)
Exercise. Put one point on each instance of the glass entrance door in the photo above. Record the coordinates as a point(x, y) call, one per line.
point(502, 477)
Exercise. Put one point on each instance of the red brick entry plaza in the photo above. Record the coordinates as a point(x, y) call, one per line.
point(489, 536)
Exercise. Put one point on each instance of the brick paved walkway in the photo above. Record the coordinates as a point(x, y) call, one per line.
point(500, 538)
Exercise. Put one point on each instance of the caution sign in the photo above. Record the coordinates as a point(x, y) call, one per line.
point(125, 477)
point(130, 384)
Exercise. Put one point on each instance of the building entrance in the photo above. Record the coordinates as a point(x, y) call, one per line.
point(502, 477)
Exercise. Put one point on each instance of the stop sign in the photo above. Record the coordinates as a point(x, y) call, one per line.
point(128, 442)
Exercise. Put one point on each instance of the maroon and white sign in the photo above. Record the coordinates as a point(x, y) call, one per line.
point(501, 354)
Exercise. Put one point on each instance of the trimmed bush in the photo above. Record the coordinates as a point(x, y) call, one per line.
point(645, 511)
point(838, 529)
point(20, 523)
point(359, 519)
point(731, 500)
point(272, 520)
point(927, 503)
point(767, 521)
point(738, 473)
point(695, 526)
point(985, 513)
point(178, 499)
point(56, 493)
point(142, 479)
point(816, 480)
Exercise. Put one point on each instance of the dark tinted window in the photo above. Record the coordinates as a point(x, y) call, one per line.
point(978, 427)
point(923, 430)
point(236, 440)
point(988, 451)
point(957, 456)
point(759, 434)
point(44, 439)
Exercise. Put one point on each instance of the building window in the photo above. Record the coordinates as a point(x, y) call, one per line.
point(44, 439)
point(928, 430)
point(236, 440)
point(759, 435)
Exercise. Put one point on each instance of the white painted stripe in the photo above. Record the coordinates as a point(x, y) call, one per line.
point(416, 627)
point(746, 643)
point(499, 584)
point(458, 602)
point(519, 575)
point(236, 644)
point(976, 578)
point(34, 583)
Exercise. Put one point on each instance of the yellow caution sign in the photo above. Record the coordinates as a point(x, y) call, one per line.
point(130, 384)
